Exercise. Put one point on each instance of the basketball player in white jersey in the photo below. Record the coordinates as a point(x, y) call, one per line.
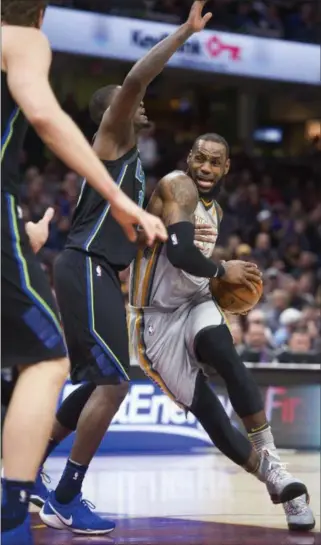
point(179, 336)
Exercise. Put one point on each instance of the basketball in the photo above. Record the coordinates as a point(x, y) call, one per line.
point(235, 298)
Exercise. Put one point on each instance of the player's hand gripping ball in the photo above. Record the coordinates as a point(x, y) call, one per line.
point(240, 289)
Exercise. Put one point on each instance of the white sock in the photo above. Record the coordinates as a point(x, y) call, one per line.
point(262, 440)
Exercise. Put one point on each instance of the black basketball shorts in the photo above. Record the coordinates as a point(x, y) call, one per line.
point(30, 327)
point(93, 314)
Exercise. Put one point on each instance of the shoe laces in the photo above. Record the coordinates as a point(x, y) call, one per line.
point(88, 505)
point(277, 470)
point(297, 506)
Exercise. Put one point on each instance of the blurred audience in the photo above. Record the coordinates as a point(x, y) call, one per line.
point(257, 348)
point(297, 20)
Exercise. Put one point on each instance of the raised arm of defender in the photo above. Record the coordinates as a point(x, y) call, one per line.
point(126, 102)
point(26, 57)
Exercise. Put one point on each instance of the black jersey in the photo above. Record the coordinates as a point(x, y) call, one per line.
point(94, 229)
point(13, 131)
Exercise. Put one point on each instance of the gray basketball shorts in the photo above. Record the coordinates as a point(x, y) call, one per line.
point(162, 343)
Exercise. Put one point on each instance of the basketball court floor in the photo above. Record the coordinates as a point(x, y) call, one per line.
point(185, 500)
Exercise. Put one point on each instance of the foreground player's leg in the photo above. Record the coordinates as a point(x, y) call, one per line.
point(65, 423)
point(247, 403)
point(65, 506)
point(24, 443)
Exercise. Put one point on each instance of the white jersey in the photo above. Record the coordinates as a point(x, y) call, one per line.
point(155, 283)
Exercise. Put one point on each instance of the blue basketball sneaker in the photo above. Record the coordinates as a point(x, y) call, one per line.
point(76, 516)
point(18, 536)
point(40, 492)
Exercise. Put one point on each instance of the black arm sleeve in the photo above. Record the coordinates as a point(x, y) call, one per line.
point(183, 254)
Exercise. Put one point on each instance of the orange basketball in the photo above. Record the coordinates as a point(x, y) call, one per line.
point(235, 298)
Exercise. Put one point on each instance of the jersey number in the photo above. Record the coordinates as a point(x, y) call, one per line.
point(140, 176)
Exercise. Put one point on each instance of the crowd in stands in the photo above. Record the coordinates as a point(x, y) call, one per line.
point(297, 20)
point(272, 216)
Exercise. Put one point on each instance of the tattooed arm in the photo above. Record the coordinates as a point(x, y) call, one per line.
point(175, 200)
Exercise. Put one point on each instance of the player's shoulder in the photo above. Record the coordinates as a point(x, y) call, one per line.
point(18, 40)
point(177, 184)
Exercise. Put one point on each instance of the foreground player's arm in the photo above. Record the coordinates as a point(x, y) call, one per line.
point(126, 102)
point(27, 60)
point(179, 199)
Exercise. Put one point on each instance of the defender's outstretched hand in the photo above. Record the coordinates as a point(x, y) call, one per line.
point(196, 20)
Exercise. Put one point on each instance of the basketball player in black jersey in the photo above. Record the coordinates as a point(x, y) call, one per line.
point(86, 276)
point(31, 332)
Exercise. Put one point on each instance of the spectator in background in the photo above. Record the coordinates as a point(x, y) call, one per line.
point(233, 242)
point(257, 348)
point(243, 21)
point(288, 19)
point(268, 21)
point(299, 349)
point(244, 252)
point(276, 303)
point(296, 290)
point(263, 253)
point(301, 25)
point(300, 341)
point(35, 196)
point(289, 320)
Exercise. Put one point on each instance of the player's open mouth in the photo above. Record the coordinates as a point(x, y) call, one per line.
point(205, 184)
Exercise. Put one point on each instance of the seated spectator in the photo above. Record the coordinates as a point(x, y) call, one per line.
point(257, 348)
point(299, 349)
point(244, 252)
point(301, 25)
point(233, 242)
point(244, 18)
point(276, 303)
point(289, 320)
point(300, 341)
point(263, 252)
point(268, 21)
point(256, 316)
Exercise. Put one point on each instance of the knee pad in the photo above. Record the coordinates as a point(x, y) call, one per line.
point(214, 347)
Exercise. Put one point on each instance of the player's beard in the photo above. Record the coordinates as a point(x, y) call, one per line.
point(214, 192)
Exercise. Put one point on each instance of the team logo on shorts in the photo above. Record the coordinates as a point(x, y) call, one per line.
point(98, 271)
point(151, 330)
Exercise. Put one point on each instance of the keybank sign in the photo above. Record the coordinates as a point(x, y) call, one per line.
point(148, 421)
point(128, 39)
point(146, 40)
point(147, 409)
